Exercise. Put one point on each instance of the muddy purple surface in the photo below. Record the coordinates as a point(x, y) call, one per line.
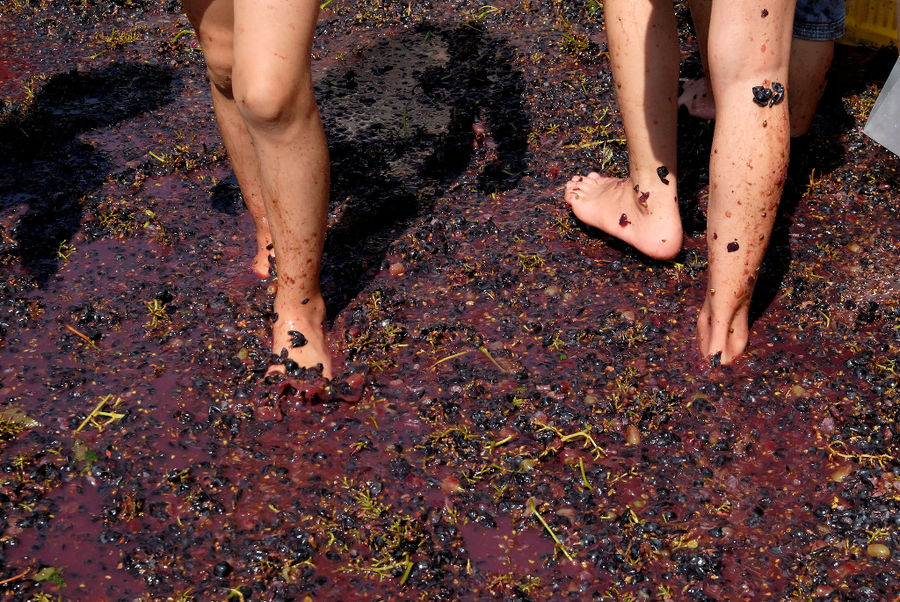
point(537, 422)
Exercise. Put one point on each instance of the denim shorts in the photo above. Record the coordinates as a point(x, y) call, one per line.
point(819, 20)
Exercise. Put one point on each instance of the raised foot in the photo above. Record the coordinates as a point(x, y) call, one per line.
point(646, 217)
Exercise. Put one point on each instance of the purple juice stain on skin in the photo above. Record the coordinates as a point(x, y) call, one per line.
point(733, 246)
point(623, 220)
point(643, 198)
point(662, 171)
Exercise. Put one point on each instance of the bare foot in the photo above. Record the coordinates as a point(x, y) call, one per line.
point(646, 217)
point(300, 334)
point(722, 327)
point(697, 98)
point(262, 263)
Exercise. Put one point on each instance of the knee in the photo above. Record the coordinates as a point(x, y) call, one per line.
point(220, 77)
point(728, 72)
point(219, 67)
point(269, 101)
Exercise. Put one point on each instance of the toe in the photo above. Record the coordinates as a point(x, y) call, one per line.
point(573, 192)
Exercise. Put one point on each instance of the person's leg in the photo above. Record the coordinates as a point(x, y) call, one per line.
point(696, 95)
point(273, 91)
point(810, 61)
point(213, 20)
point(817, 24)
point(748, 163)
point(642, 210)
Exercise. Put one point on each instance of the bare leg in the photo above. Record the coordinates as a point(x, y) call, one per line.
point(809, 64)
point(265, 102)
point(246, 169)
point(274, 94)
point(748, 162)
point(641, 210)
point(214, 23)
point(697, 94)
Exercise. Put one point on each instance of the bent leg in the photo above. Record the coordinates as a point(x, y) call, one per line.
point(810, 61)
point(748, 163)
point(274, 94)
point(641, 210)
point(817, 24)
point(697, 96)
point(213, 20)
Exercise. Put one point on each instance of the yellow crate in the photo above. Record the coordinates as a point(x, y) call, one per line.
point(871, 23)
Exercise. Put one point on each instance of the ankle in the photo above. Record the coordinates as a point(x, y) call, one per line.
point(309, 310)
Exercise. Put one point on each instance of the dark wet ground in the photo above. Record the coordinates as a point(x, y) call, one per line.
point(530, 379)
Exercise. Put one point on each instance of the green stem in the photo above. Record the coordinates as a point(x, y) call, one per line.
point(550, 531)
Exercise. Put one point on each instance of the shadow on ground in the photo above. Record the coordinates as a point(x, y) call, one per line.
point(399, 119)
point(46, 167)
